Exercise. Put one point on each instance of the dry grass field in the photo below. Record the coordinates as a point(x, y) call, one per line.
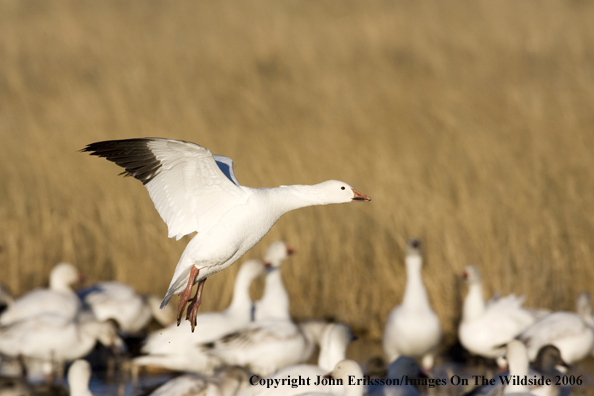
point(470, 124)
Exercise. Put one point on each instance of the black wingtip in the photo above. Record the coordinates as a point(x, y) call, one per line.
point(134, 155)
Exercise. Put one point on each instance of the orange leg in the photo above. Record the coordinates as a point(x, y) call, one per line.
point(185, 296)
point(195, 301)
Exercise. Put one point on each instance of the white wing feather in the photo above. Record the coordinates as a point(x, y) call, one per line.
point(190, 192)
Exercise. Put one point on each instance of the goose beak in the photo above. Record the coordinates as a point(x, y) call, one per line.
point(359, 197)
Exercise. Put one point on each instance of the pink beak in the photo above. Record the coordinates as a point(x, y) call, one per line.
point(360, 197)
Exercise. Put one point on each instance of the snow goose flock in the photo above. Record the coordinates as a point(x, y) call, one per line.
point(250, 344)
point(176, 348)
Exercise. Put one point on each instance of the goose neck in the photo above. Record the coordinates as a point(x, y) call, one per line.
point(241, 302)
point(474, 304)
point(79, 385)
point(518, 369)
point(275, 301)
point(332, 351)
point(415, 294)
point(284, 199)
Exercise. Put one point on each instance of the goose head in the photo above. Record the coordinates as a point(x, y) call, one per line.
point(583, 304)
point(334, 191)
point(277, 252)
point(548, 359)
point(471, 274)
point(414, 256)
point(413, 247)
point(344, 369)
point(63, 276)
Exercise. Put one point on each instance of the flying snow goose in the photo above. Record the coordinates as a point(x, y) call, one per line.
point(413, 328)
point(334, 341)
point(195, 191)
point(79, 375)
point(176, 348)
point(275, 300)
point(344, 371)
point(227, 382)
point(59, 299)
point(120, 302)
point(485, 327)
point(572, 333)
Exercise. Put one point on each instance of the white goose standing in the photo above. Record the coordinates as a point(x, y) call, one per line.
point(275, 300)
point(413, 328)
point(194, 191)
point(58, 299)
point(485, 327)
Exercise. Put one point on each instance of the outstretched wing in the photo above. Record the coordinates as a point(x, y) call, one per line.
point(190, 189)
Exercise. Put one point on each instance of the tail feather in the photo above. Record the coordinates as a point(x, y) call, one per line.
point(176, 286)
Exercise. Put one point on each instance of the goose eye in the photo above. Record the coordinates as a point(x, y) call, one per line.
point(342, 188)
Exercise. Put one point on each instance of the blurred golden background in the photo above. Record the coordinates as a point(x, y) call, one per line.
point(470, 124)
